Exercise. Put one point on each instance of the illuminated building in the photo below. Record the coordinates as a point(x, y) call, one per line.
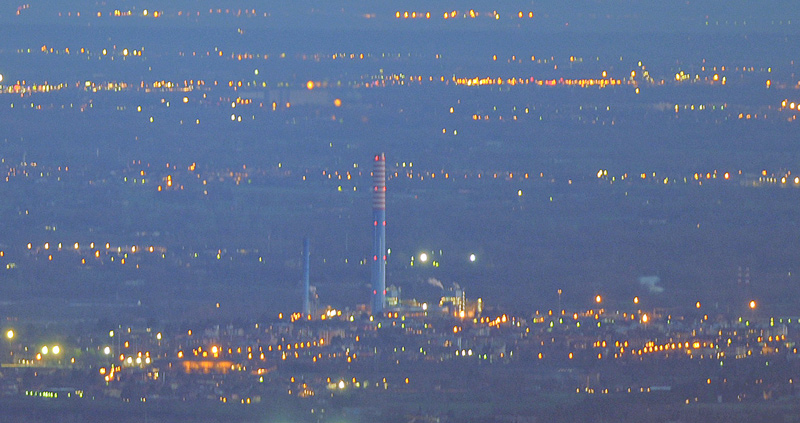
point(456, 297)
point(393, 296)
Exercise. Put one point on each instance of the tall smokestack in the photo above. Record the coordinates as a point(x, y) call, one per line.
point(306, 273)
point(379, 234)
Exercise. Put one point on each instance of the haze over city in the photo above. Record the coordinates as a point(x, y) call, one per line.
point(579, 207)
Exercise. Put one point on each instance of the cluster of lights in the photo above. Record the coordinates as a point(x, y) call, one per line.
point(784, 177)
point(471, 14)
point(140, 360)
point(108, 374)
point(124, 52)
point(497, 321)
point(413, 15)
point(53, 394)
point(118, 13)
point(579, 82)
point(215, 351)
point(20, 87)
point(683, 77)
point(45, 351)
point(791, 105)
point(92, 251)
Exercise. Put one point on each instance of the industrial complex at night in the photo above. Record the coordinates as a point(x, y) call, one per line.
point(592, 211)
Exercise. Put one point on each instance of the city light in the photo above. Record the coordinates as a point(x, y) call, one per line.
point(615, 162)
